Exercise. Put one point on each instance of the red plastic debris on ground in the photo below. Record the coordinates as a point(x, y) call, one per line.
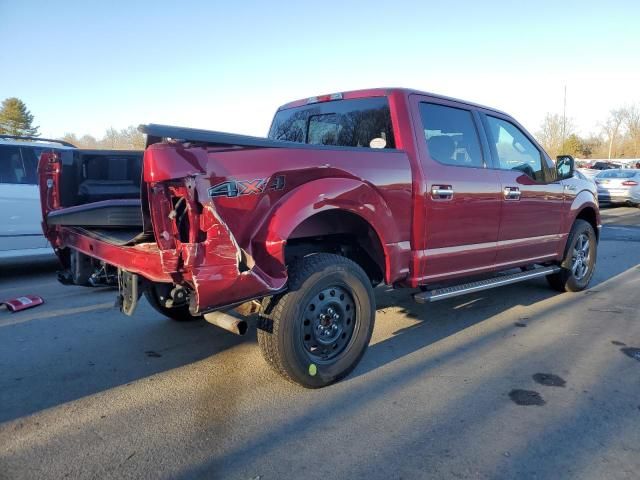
point(22, 303)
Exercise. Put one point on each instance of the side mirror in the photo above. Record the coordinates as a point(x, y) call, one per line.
point(565, 166)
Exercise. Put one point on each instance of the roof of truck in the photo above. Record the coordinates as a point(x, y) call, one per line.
point(379, 92)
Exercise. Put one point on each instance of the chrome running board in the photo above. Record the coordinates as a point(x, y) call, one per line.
point(464, 288)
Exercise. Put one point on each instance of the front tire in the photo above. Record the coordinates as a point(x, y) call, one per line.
point(579, 260)
point(316, 333)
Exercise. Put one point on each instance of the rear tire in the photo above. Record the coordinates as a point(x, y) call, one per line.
point(579, 260)
point(316, 333)
point(179, 314)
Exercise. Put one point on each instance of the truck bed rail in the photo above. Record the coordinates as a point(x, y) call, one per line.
point(157, 133)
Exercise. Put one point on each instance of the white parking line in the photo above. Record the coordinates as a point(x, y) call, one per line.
point(43, 314)
point(617, 227)
point(618, 212)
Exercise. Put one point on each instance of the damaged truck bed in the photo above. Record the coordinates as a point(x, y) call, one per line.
point(182, 239)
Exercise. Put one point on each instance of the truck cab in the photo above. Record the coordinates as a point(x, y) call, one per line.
point(493, 197)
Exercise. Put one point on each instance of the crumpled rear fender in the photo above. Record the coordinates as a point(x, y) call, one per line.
point(206, 255)
point(351, 195)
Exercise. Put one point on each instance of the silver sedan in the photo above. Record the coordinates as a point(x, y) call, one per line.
point(619, 186)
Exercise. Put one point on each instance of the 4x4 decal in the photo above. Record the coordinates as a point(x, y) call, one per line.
point(246, 187)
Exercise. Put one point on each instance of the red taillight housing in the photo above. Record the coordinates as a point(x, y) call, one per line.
point(49, 168)
point(630, 183)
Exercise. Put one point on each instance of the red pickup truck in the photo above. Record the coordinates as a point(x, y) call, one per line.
point(348, 191)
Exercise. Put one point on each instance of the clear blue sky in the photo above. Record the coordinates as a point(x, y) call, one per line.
point(84, 66)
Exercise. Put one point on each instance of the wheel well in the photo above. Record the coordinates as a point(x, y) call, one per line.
point(589, 214)
point(340, 232)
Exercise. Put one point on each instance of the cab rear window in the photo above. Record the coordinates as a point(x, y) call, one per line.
point(363, 122)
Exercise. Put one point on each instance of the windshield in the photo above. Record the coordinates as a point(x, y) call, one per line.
point(364, 122)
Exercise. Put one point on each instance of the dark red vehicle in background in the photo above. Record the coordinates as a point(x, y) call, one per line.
point(348, 191)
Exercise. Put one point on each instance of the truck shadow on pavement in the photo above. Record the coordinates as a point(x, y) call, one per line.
point(437, 321)
point(50, 361)
point(443, 431)
point(434, 322)
point(57, 359)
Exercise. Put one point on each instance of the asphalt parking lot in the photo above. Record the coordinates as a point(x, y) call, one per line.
point(86, 392)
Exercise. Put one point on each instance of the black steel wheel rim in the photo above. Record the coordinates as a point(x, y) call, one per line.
point(329, 320)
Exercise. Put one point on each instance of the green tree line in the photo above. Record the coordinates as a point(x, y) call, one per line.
point(617, 137)
point(17, 120)
point(126, 139)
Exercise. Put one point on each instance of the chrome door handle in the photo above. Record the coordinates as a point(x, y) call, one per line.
point(511, 193)
point(442, 192)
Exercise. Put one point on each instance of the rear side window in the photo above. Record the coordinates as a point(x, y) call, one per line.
point(363, 122)
point(515, 151)
point(451, 135)
point(18, 165)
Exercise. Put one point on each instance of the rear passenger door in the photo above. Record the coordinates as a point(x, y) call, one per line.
point(462, 198)
point(20, 213)
point(532, 197)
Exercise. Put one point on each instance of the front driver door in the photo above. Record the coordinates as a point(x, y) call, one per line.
point(532, 197)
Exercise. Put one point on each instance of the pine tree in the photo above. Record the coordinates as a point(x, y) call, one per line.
point(16, 119)
point(572, 146)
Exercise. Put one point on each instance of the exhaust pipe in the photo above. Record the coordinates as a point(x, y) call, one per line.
point(226, 321)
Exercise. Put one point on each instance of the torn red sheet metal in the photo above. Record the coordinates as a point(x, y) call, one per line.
point(22, 303)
